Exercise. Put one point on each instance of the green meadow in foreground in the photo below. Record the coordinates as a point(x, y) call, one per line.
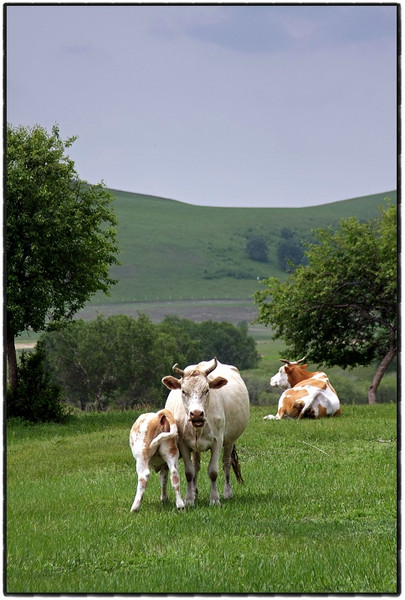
point(317, 513)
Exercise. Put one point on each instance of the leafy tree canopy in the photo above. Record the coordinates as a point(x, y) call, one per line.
point(290, 250)
point(116, 360)
point(256, 248)
point(341, 308)
point(202, 341)
point(60, 236)
point(120, 360)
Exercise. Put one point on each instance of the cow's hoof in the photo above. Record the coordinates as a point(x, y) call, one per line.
point(215, 502)
point(268, 417)
point(228, 494)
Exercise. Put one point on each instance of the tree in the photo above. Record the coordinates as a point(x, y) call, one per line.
point(117, 360)
point(290, 251)
point(341, 308)
point(202, 341)
point(38, 400)
point(256, 248)
point(60, 234)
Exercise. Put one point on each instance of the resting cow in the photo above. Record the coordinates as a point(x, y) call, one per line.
point(153, 444)
point(308, 395)
point(210, 404)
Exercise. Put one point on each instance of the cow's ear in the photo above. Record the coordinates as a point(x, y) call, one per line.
point(171, 382)
point(218, 382)
point(304, 366)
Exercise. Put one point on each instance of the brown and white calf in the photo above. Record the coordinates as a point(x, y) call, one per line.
point(308, 395)
point(153, 441)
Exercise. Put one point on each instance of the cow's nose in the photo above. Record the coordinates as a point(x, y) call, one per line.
point(196, 414)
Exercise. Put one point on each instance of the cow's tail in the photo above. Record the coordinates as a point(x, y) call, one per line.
point(235, 465)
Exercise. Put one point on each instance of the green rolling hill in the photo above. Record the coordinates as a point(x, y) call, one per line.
point(177, 252)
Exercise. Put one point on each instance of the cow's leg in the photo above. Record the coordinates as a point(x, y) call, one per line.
point(189, 471)
point(226, 462)
point(163, 483)
point(196, 463)
point(213, 470)
point(142, 469)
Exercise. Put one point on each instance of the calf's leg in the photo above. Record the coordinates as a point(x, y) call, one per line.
point(142, 469)
point(170, 453)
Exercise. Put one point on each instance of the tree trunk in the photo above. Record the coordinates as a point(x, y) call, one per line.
point(383, 366)
point(12, 360)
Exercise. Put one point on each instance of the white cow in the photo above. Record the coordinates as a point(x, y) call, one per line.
point(307, 395)
point(210, 404)
point(153, 443)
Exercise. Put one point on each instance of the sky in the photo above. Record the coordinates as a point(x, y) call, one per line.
point(217, 105)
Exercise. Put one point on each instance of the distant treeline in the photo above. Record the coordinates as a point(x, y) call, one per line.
point(118, 362)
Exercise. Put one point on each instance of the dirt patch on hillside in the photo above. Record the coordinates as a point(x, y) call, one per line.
point(233, 311)
point(25, 345)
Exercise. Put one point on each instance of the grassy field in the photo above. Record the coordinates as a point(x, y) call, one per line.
point(172, 251)
point(317, 514)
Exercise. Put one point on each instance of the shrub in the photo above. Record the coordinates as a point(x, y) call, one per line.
point(260, 392)
point(36, 399)
point(256, 248)
point(387, 390)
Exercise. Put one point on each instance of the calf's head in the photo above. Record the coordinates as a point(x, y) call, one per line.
point(195, 390)
point(283, 377)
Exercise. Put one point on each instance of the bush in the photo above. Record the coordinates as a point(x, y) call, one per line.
point(110, 362)
point(36, 399)
point(256, 248)
point(260, 391)
point(229, 343)
point(350, 390)
point(387, 390)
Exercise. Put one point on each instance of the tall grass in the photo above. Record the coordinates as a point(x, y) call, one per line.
point(317, 513)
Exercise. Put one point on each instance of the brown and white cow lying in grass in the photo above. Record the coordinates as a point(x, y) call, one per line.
point(308, 395)
point(153, 441)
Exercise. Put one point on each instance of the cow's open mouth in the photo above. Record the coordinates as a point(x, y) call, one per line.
point(197, 422)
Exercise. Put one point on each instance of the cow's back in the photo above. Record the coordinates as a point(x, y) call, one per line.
point(234, 399)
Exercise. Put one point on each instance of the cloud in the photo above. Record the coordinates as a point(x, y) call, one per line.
point(230, 105)
point(275, 29)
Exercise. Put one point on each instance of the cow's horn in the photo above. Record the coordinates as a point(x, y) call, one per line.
point(176, 369)
point(301, 360)
point(284, 360)
point(212, 367)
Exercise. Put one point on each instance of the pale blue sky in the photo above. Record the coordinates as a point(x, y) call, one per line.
point(214, 105)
